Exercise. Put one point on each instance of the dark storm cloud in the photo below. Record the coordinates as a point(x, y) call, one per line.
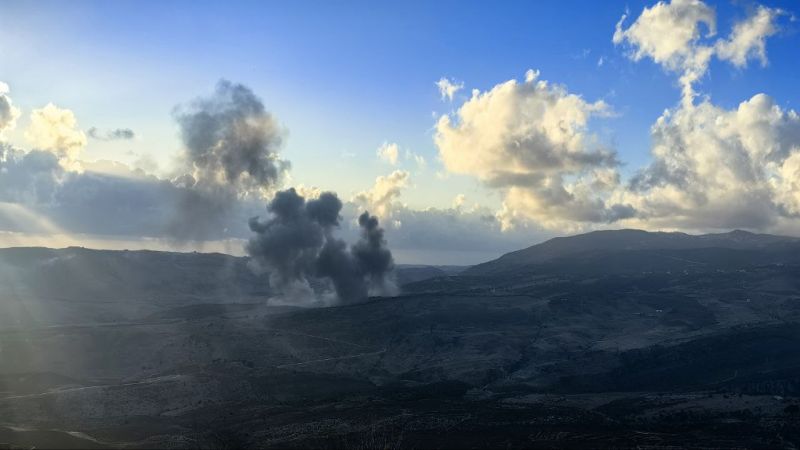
point(297, 243)
point(119, 134)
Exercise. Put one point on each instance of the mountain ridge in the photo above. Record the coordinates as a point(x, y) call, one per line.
point(625, 240)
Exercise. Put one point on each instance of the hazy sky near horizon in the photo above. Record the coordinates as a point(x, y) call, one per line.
point(466, 126)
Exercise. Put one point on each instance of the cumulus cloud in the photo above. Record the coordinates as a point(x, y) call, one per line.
point(118, 134)
point(520, 130)
point(125, 203)
point(668, 32)
point(8, 112)
point(530, 141)
point(568, 207)
point(128, 203)
point(381, 199)
point(718, 168)
point(389, 152)
point(448, 88)
point(748, 38)
point(308, 192)
point(671, 34)
point(55, 129)
point(231, 152)
point(712, 167)
point(297, 243)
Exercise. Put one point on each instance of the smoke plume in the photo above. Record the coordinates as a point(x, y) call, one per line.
point(231, 146)
point(296, 245)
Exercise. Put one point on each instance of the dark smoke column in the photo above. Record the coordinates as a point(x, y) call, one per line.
point(231, 152)
point(373, 257)
point(297, 244)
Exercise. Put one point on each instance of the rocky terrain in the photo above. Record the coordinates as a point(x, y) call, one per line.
point(616, 339)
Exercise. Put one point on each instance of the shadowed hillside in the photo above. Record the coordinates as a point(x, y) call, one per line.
point(617, 241)
point(638, 339)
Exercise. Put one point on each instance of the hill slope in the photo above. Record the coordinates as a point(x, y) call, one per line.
point(625, 241)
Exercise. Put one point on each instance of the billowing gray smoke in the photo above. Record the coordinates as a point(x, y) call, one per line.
point(371, 252)
point(231, 146)
point(297, 243)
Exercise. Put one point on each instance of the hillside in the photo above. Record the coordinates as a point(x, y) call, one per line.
point(77, 285)
point(643, 345)
point(620, 241)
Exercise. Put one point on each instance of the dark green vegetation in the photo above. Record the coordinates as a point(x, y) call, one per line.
point(608, 340)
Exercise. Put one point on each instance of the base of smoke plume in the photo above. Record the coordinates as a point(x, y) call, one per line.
point(305, 261)
point(317, 293)
point(303, 295)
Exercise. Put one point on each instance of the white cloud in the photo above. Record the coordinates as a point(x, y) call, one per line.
point(8, 112)
point(787, 184)
point(389, 152)
point(519, 130)
point(308, 192)
point(55, 129)
point(566, 206)
point(668, 32)
point(448, 88)
point(380, 200)
point(718, 168)
point(748, 38)
point(712, 167)
point(530, 141)
point(671, 35)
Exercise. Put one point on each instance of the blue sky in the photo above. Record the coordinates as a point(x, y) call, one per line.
point(344, 77)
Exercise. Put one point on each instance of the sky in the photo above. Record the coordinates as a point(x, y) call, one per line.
point(469, 128)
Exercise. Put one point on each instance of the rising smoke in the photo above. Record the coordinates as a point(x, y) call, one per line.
point(297, 244)
point(231, 146)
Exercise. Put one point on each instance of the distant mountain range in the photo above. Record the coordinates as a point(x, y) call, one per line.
point(637, 244)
